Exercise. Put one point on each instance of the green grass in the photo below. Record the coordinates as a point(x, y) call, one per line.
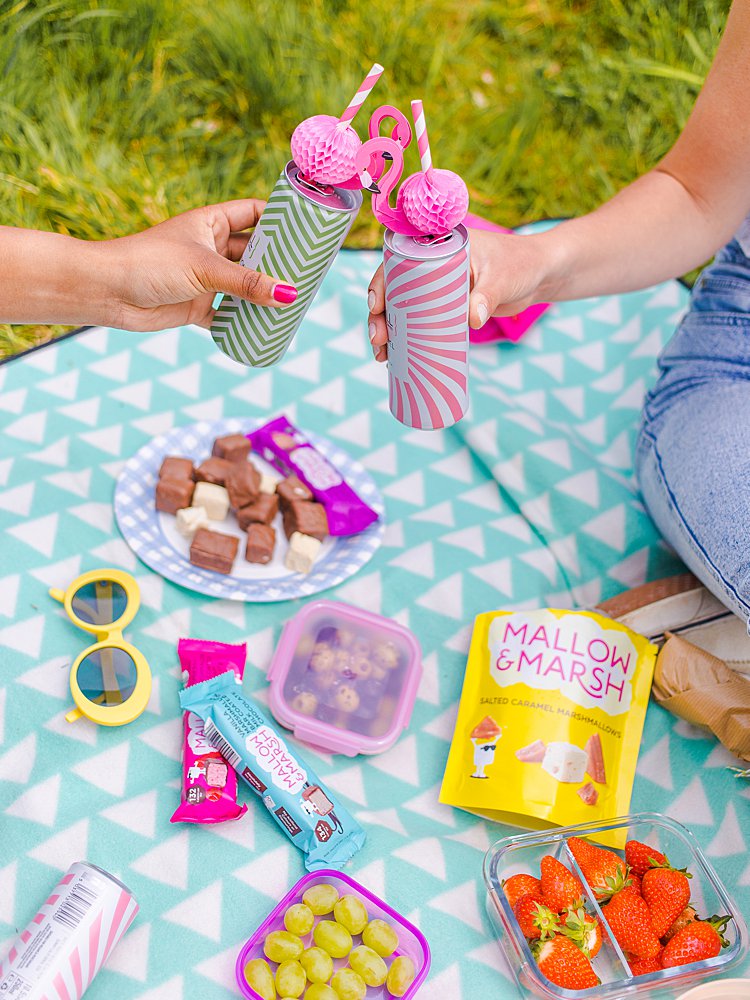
point(115, 115)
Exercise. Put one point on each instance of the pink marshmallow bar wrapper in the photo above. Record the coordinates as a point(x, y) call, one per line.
point(502, 327)
point(209, 783)
point(289, 451)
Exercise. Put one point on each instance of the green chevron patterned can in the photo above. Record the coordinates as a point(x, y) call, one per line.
point(297, 239)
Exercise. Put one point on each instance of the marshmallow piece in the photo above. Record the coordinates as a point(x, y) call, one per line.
point(565, 762)
point(267, 484)
point(189, 519)
point(302, 553)
point(214, 500)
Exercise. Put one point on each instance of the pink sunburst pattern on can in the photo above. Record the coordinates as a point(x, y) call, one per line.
point(427, 304)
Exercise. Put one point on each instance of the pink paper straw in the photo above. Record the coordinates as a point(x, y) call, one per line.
point(420, 128)
point(362, 94)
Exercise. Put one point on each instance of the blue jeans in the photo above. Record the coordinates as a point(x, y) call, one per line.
point(693, 451)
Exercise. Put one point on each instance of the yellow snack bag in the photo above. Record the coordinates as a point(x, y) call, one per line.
point(550, 719)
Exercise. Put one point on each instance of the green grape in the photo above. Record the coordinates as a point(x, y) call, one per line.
point(400, 975)
point(351, 913)
point(369, 965)
point(318, 965)
point(333, 938)
point(320, 898)
point(281, 946)
point(290, 979)
point(259, 977)
point(299, 919)
point(348, 985)
point(319, 991)
point(381, 937)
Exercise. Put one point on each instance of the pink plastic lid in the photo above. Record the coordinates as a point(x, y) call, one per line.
point(344, 680)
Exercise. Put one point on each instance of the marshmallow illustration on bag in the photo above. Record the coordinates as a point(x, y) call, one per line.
point(484, 737)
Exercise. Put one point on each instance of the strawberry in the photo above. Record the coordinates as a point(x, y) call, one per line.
point(519, 885)
point(629, 920)
point(636, 884)
point(642, 966)
point(667, 893)
point(640, 857)
point(604, 870)
point(584, 930)
point(534, 918)
point(560, 887)
point(686, 917)
point(565, 965)
point(698, 940)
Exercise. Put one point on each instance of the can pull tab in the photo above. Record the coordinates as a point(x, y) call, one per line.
point(432, 241)
point(313, 186)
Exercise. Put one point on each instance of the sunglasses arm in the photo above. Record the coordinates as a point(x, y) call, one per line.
point(57, 595)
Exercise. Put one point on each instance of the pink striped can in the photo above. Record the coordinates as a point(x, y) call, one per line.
point(427, 314)
point(70, 938)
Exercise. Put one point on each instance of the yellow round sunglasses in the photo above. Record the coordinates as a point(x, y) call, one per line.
point(111, 680)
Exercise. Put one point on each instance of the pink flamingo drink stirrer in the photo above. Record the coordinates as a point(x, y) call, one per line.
point(324, 147)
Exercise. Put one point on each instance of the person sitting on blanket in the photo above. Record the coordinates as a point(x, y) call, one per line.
point(163, 277)
point(693, 451)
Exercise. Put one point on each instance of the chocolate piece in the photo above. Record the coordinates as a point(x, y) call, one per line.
point(588, 794)
point(595, 763)
point(213, 470)
point(307, 518)
point(173, 494)
point(290, 489)
point(261, 511)
point(189, 519)
point(533, 753)
point(174, 467)
point(267, 483)
point(214, 500)
point(213, 550)
point(300, 556)
point(261, 541)
point(243, 485)
point(232, 447)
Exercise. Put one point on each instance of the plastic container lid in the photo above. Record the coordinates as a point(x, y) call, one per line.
point(343, 679)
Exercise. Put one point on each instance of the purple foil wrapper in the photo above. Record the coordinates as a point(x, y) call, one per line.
point(289, 451)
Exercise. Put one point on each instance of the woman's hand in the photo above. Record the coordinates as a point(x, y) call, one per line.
point(507, 275)
point(169, 275)
point(162, 277)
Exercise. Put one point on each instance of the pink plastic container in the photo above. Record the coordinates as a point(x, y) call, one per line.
point(411, 941)
point(344, 680)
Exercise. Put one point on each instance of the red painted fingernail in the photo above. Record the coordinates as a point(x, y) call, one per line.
point(284, 293)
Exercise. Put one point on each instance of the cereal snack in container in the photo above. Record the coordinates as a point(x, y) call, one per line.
point(644, 915)
point(343, 679)
point(330, 938)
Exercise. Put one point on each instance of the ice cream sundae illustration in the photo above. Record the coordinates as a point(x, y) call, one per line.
point(484, 737)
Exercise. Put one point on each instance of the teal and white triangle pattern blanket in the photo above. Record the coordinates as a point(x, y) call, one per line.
point(529, 500)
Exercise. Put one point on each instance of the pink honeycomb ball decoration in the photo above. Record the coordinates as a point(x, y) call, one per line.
point(434, 201)
point(325, 149)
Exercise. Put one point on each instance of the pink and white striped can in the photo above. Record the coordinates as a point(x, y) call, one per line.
point(70, 938)
point(427, 314)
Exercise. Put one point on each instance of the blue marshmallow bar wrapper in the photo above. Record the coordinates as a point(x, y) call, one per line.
point(309, 815)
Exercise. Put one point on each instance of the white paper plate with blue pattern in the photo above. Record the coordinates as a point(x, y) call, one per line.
point(153, 536)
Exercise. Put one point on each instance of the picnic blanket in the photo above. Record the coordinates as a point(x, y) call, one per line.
point(528, 501)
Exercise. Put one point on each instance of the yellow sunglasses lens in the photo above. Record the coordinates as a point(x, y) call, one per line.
point(100, 602)
point(107, 676)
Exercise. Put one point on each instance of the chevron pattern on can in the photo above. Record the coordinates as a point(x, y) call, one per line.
point(297, 241)
point(427, 307)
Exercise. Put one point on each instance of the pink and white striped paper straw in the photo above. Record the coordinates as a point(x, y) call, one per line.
point(420, 128)
point(362, 93)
